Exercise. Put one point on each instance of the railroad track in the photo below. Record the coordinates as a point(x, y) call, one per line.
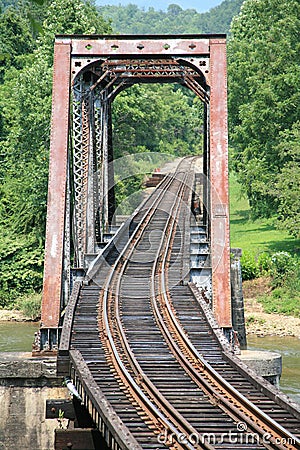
point(145, 339)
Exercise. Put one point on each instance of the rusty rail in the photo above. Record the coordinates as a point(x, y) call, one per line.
point(159, 411)
point(233, 402)
point(153, 407)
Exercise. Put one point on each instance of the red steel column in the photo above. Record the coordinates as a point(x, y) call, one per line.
point(220, 246)
point(57, 187)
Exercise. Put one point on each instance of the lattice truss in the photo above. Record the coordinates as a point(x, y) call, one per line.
point(127, 72)
point(80, 160)
point(89, 149)
point(93, 91)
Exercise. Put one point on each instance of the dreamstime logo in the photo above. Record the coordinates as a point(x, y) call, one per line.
point(239, 436)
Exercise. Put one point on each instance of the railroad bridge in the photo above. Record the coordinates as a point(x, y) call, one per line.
point(142, 321)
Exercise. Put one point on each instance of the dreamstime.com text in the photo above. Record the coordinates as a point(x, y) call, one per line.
point(238, 436)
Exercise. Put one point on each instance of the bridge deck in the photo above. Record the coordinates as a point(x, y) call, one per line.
point(147, 357)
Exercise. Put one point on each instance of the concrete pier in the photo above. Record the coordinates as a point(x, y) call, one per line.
point(25, 385)
point(266, 364)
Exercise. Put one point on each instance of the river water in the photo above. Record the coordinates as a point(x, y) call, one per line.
point(18, 337)
point(289, 348)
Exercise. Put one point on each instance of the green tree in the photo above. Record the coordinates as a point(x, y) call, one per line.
point(288, 180)
point(132, 20)
point(157, 118)
point(25, 104)
point(136, 114)
point(20, 25)
point(264, 94)
point(16, 39)
point(152, 118)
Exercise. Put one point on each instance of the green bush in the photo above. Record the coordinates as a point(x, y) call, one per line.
point(285, 297)
point(281, 266)
point(30, 305)
point(284, 266)
point(250, 269)
point(21, 259)
point(264, 262)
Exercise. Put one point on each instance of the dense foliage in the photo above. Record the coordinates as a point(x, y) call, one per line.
point(131, 19)
point(145, 119)
point(25, 107)
point(160, 118)
point(264, 73)
point(263, 106)
point(157, 118)
point(283, 273)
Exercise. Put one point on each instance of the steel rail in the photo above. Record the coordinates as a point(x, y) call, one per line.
point(242, 409)
point(143, 379)
point(233, 402)
point(157, 417)
point(136, 235)
point(152, 391)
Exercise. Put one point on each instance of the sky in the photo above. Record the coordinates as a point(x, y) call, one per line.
point(200, 6)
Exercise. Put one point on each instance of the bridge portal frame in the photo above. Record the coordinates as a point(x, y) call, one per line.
point(203, 52)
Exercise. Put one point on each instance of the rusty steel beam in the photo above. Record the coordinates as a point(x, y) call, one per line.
point(74, 54)
point(121, 45)
point(219, 199)
point(54, 248)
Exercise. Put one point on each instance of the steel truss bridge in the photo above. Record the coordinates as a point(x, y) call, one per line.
point(142, 329)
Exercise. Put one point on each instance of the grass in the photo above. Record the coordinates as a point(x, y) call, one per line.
point(281, 301)
point(252, 319)
point(258, 238)
point(255, 236)
point(30, 305)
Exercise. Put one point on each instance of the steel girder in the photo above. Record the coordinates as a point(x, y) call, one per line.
point(89, 71)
